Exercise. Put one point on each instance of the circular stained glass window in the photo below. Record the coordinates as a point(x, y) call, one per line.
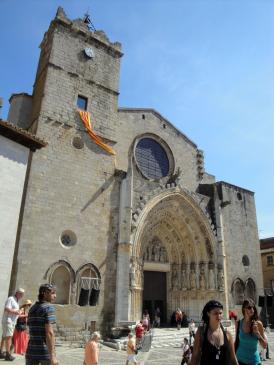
point(151, 158)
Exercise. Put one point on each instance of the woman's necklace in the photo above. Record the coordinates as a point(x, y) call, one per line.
point(215, 340)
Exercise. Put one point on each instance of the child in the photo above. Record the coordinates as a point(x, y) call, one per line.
point(186, 352)
point(131, 350)
point(92, 350)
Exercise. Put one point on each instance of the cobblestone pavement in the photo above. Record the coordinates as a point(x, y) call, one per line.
point(108, 356)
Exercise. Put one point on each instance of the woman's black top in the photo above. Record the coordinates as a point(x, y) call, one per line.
point(211, 355)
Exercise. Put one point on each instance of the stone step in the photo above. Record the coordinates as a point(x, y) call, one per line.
point(171, 337)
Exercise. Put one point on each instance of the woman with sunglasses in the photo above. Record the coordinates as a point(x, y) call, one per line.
point(249, 331)
point(213, 344)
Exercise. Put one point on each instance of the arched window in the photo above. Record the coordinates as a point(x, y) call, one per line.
point(61, 278)
point(250, 289)
point(238, 291)
point(89, 282)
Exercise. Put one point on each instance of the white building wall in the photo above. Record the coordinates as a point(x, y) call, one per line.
point(13, 164)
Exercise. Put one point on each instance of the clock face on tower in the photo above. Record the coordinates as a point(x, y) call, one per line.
point(89, 52)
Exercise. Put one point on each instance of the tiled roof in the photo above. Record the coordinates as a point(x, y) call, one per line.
point(20, 135)
point(267, 243)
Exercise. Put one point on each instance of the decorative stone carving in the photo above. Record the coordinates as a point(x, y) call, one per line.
point(192, 278)
point(202, 280)
point(163, 255)
point(135, 273)
point(155, 252)
point(220, 279)
point(211, 279)
point(132, 270)
point(183, 277)
point(174, 277)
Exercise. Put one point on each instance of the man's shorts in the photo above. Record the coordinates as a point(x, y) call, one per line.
point(131, 357)
point(7, 329)
point(37, 362)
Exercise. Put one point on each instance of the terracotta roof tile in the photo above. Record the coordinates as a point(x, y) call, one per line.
point(19, 135)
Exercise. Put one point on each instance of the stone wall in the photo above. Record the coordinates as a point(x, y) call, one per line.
point(240, 239)
point(13, 165)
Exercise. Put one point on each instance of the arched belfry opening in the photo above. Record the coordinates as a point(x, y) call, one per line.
point(175, 248)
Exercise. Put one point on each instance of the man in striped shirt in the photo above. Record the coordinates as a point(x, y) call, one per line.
point(41, 317)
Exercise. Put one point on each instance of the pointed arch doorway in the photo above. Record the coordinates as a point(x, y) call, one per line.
point(176, 247)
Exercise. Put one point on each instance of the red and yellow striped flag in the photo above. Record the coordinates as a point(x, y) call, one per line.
point(85, 116)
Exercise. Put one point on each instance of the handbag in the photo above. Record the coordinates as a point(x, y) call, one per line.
point(21, 326)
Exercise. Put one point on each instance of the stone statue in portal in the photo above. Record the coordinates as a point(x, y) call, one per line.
point(221, 280)
point(202, 281)
point(174, 278)
point(183, 278)
point(192, 279)
point(132, 270)
point(211, 281)
point(163, 257)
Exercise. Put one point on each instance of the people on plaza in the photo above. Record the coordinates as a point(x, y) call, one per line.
point(139, 333)
point(185, 352)
point(232, 315)
point(10, 315)
point(92, 350)
point(131, 350)
point(41, 317)
point(192, 330)
point(249, 333)
point(213, 345)
point(263, 349)
point(178, 318)
point(146, 320)
point(20, 335)
point(267, 331)
point(157, 318)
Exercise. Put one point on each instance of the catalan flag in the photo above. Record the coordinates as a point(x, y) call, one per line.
point(85, 116)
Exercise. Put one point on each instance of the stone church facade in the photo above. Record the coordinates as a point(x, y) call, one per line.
point(118, 234)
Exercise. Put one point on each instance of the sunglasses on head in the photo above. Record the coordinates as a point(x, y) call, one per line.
point(250, 307)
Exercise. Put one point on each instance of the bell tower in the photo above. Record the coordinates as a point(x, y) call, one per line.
point(78, 67)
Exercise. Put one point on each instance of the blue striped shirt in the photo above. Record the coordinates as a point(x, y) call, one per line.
point(40, 314)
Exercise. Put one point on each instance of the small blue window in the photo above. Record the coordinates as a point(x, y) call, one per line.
point(151, 158)
point(82, 102)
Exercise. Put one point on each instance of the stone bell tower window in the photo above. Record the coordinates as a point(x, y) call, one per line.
point(82, 102)
point(151, 158)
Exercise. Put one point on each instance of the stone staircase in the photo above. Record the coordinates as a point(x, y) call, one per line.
point(171, 337)
point(71, 337)
point(168, 337)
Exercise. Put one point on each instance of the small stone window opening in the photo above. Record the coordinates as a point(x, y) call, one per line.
point(245, 260)
point(239, 196)
point(269, 260)
point(68, 239)
point(143, 116)
point(82, 102)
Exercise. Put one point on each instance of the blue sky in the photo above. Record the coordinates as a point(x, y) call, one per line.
point(207, 66)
